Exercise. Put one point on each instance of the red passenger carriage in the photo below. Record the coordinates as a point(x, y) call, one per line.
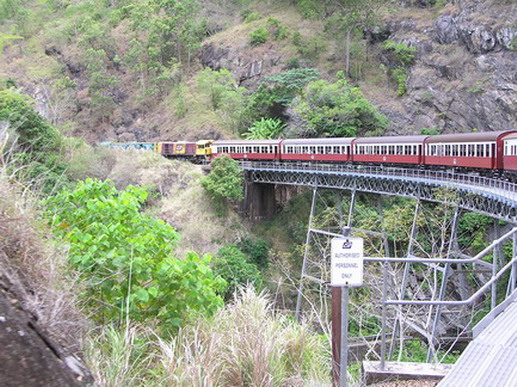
point(247, 149)
point(510, 152)
point(317, 149)
point(466, 150)
point(389, 150)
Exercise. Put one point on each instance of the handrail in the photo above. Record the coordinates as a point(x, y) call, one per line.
point(502, 188)
point(477, 257)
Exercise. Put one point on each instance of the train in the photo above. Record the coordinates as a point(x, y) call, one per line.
point(485, 153)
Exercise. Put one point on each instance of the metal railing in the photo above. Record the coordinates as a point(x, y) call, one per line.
point(491, 284)
point(479, 183)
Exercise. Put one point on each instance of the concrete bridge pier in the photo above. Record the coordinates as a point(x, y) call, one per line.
point(259, 202)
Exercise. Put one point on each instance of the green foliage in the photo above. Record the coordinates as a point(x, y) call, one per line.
point(276, 93)
point(402, 56)
point(259, 36)
point(279, 31)
point(429, 132)
point(266, 128)
point(336, 109)
point(37, 144)
point(400, 53)
point(257, 251)
point(310, 9)
point(233, 266)
point(311, 48)
point(221, 93)
point(126, 259)
point(399, 74)
point(472, 229)
point(225, 180)
point(252, 16)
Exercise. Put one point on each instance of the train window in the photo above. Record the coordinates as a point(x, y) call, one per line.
point(488, 150)
point(463, 150)
point(328, 149)
point(336, 150)
point(320, 150)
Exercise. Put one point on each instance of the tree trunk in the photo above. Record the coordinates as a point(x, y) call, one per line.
point(347, 52)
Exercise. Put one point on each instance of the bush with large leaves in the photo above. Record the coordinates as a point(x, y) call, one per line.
point(126, 259)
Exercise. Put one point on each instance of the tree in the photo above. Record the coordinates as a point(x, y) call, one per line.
point(126, 259)
point(336, 109)
point(352, 15)
point(36, 145)
point(233, 265)
point(275, 94)
point(225, 180)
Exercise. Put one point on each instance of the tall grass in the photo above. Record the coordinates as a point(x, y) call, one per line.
point(244, 344)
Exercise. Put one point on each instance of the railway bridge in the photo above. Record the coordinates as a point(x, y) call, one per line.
point(488, 196)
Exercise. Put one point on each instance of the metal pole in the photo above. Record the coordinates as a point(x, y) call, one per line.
point(414, 228)
point(351, 209)
point(443, 286)
point(385, 243)
point(343, 355)
point(384, 314)
point(495, 264)
point(305, 257)
point(514, 267)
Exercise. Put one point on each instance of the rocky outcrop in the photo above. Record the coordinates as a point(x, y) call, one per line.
point(247, 65)
point(29, 355)
point(464, 77)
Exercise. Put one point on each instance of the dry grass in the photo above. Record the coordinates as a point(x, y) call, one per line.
point(246, 344)
point(190, 210)
point(34, 271)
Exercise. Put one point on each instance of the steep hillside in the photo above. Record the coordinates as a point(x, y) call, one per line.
point(133, 71)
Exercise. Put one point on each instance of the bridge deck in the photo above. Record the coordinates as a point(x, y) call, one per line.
point(494, 197)
point(491, 359)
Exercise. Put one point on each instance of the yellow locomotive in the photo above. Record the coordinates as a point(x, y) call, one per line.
point(194, 151)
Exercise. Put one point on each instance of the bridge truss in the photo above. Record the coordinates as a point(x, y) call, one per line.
point(491, 197)
point(497, 199)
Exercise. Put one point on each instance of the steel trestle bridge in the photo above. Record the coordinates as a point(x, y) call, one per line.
point(488, 196)
point(493, 197)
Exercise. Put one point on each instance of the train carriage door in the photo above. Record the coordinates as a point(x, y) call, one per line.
point(494, 156)
point(420, 154)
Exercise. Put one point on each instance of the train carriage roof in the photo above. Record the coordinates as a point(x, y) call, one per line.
point(468, 137)
point(511, 136)
point(319, 141)
point(391, 140)
point(245, 142)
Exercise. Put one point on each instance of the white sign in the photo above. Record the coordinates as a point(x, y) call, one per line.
point(346, 261)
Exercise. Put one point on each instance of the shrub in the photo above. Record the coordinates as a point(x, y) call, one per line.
point(225, 180)
point(233, 266)
point(126, 259)
point(276, 93)
point(36, 144)
point(259, 36)
point(252, 16)
point(400, 75)
point(402, 54)
point(336, 109)
point(256, 250)
point(266, 128)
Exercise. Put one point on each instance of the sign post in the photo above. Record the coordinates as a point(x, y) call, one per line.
point(346, 269)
